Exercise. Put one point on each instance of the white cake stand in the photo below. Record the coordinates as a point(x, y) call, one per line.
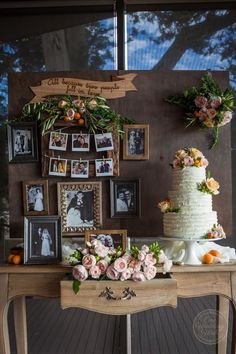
point(191, 249)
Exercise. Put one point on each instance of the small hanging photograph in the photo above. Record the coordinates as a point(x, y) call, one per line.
point(79, 169)
point(104, 167)
point(103, 142)
point(58, 141)
point(35, 197)
point(57, 167)
point(136, 142)
point(80, 142)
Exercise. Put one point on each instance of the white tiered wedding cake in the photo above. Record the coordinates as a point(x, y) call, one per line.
point(188, 211)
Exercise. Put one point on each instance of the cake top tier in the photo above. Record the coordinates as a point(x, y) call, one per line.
point(188, 157)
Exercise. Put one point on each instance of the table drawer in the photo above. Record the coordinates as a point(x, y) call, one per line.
point(120, 298)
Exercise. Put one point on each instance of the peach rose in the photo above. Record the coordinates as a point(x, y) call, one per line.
point(120, 265)
point(212, 185)
point(80, 273)
point(164, 205)
point(62, 104)
point(92, 104)
point(89, 261)
point(208, 123)
point(204, 162)
point(195, 153)
point(211, 112)
point(180, 154)
point(176, 163)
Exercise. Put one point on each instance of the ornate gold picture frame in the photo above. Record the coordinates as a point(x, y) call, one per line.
point(80, 206)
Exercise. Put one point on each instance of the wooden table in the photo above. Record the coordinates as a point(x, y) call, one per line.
point(17, 282)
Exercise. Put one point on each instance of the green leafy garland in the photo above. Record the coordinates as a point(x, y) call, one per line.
point(207, 106)
point(94, 113)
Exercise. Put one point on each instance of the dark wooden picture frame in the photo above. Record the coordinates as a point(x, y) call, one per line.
point(35, 197)
point(80, 206)
point(125, 198)
point(42, 239)
point(136, 142)
point(22, 142)
point(110, 238)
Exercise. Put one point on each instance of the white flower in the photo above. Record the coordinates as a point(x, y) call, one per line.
point(145, 248)
point(101, 251)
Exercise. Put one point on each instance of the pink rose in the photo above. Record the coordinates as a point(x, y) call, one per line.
point(188, 161)
point(102, 265)
point(70, 113)
point(135, 264)
point(89, 261)
point(145, 248)
point(216, 102)
point(126, 274)
point(211, 112)
point(227, 118)
point(162, 257)
point(80, 273)
point(101, 250)
point(176, 163)
point(85, 251)
point(127, 257)
point(200, 101)
point(141, 256)
point(167, 265)
point(202, 114)
point(95, 272)
point(111, 273)
point(120, 265)
point(150, 272)
point(138, 276)
point(149, 259)
point(204, 162)
point(79, 103)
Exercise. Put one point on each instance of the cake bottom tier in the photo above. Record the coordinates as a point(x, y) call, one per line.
point(191, 226)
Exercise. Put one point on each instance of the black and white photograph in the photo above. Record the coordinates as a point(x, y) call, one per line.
point(42, 240)
point(136, 142)
point(57, 167)
point(35, 197)
point(109, 238)
point(103, 142)
point(104, 167)
point(79, 205)
point(125, 198)
point(58, 141)
point(22, 142)
point(80, 142)
point(79, 169)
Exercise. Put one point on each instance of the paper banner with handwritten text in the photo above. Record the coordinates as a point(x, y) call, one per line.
point(85, 88)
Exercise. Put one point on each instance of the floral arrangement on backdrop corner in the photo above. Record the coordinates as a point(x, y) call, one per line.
point(90, 112)
point(207, 106)
point(100, 262)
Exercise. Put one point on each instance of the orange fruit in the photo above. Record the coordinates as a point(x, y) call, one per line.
point(9, 258)
point(77, 115)
point(66, 119)
point(207, 258)
point(16, 259)
point(81, 121)
point(215, 253)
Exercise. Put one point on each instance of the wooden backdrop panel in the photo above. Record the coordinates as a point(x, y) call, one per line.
point(167, 134)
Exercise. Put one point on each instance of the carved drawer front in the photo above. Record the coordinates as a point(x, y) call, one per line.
point(120, 298)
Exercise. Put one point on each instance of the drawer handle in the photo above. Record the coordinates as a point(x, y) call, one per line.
point(127, 294)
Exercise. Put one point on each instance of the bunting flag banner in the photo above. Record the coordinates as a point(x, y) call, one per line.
point(84, 88)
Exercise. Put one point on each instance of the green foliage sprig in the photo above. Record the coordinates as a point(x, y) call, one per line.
point(207, 106)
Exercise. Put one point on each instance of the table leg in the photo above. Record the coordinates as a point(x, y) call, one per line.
point(4, 304)
point(223, 308)
point(20, 324)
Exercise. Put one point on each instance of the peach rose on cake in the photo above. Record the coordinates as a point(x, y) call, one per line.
point(180, 154)
point(204, 162)
point(164, 205)
point(212, 185)
point(195, 153)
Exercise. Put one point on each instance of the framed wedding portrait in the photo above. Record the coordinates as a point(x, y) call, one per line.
point(136, 142)
point(42, 239)
point(125, 198)
point(22, 142)
point(109, 238)
point(80, 206)
point(35, 197)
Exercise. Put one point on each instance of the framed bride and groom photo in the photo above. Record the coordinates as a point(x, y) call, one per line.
point(35, 197)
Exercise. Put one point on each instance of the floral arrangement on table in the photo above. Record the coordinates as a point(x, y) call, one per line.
point(210, 186)
point(217, 231)
point(93, 113)
point(189, 157)
point(207, 106)
point(166, 206)
point(99, 262)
